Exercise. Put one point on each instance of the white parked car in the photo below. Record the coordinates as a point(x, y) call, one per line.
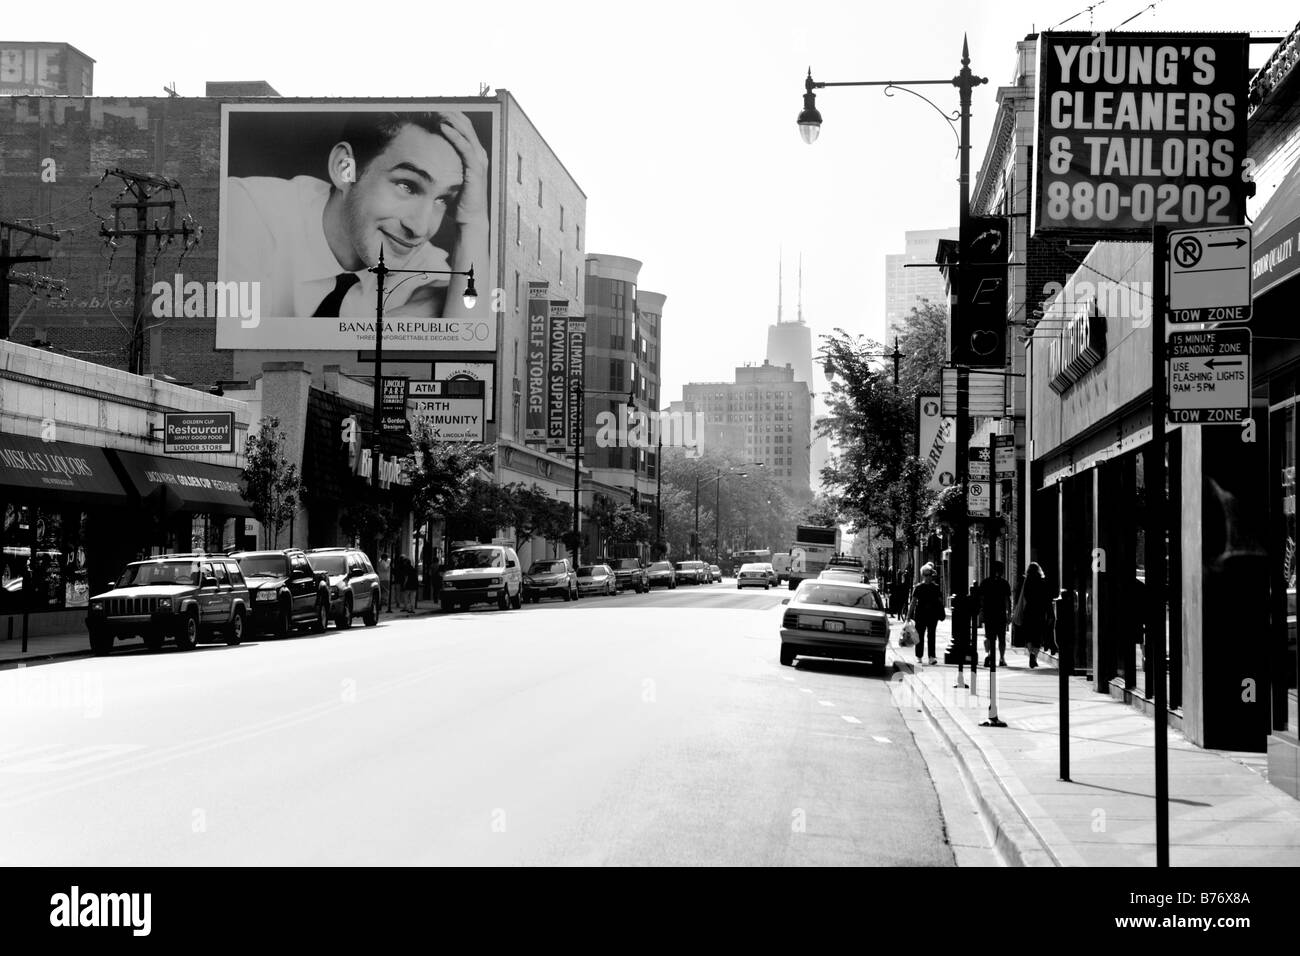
point(753, 576)
point(835, 619)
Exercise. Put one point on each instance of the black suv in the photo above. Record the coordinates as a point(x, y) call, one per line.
point(285, 590)
point(353, 584)
point(629, 573)
point(181, 596)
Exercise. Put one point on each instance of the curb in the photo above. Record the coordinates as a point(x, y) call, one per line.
point(30, 659)
point(1014, 839)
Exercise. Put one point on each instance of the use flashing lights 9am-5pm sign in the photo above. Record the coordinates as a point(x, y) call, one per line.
point(1140, 129)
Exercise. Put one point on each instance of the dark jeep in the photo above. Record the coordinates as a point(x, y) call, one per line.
point(181, 596)
point(284, 591)
point(629, 573)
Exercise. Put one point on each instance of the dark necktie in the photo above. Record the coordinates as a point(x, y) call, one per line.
point(329, 306)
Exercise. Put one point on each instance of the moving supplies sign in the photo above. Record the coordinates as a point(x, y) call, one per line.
point(1139, 129)
point(557, 375)
point(535, 422)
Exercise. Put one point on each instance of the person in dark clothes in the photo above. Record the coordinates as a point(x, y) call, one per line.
point(926, 610)
point(1033, 613)
point(995, 604)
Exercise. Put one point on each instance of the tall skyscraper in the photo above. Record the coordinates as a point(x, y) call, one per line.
point(790, 343)
point(904, 287)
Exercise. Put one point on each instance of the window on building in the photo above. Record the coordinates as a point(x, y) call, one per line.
point(561, 219)
point(577, 243)
point(519, 167)
point(617, 375)
point(561, 270)
point(516, 291)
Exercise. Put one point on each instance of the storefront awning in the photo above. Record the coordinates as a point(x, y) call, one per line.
point(177, 484)
point(58, 470)
point(1276, 256)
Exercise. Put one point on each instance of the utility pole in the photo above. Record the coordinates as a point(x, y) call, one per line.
point(142, 188)
point(7, 261)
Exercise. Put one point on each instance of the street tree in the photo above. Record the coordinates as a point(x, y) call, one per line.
point(273, 487)
point(443, 475)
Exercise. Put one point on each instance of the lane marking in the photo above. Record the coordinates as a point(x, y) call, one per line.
point(825, 703)
point(852, 720)
point(881, 740)
point(804, 690)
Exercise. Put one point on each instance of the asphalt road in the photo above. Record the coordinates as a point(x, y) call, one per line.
point(639, 729)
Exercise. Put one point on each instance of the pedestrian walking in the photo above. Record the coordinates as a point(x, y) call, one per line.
point(995, 603)
point(410, 585)
point(1033, 615)
point(385, 571)
point(927, 611)
point(400, 563)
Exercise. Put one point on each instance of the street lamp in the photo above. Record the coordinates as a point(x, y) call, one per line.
point(828, 363)
point(716, 481)
point(381, 271)
point(810, 121)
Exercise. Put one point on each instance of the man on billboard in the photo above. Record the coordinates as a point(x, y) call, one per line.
point(412, 184)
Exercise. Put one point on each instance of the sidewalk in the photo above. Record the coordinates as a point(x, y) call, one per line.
point(54, 647)
point(1222, 810)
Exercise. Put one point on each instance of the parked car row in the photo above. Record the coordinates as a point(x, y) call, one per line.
point(189, 597)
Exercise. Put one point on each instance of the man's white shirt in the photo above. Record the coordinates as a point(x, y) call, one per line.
point(276, 236)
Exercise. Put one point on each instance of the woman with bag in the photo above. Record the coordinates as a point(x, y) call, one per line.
point(1033, 613)
point(927, 611)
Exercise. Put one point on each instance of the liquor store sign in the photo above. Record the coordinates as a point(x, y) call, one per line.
point(196, 432)
point(1140, 129)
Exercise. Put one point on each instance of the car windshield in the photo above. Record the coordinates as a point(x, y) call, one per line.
point(590, 571)
point(264, 566)
point(751, 569)
point(661, 566)
point(837, 595)
point(329, 563)
point(547, 567)
point(461, 560)
point(628, 564)
point(160, 572)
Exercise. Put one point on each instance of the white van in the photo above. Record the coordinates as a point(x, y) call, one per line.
point(482, 574)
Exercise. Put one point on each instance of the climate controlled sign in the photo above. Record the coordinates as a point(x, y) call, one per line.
point(1140, 129)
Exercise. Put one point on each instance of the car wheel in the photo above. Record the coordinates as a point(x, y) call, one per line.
point(188, 636)
point(787, 656)
point(101, 642)
point(447, 606)
point(322, 619)
point(518, 600)
point(503, 600)
point(235, 630)
point(371, 617)
point(284, 621)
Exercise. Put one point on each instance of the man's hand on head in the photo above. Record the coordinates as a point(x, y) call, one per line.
point(472, 207)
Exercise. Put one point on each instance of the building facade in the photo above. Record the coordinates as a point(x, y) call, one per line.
point(765, 415)
point(910, 278)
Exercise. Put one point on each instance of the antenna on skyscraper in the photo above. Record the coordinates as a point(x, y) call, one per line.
point(780, 274)
point(801, 288)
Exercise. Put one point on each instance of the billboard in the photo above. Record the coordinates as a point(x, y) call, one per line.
point(484, 372)
point(577, 355)
point(312, 192)
point(197, 432)
point(979, 325)
point(535, 420)
point(1139, 129)
point(557, 375)
point(934, 444)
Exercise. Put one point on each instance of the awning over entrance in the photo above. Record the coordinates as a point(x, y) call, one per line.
point(80, 473)
point(1276, 256)
point(176, 484)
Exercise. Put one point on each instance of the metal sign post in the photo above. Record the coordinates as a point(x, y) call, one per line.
point(996, 444)
point(1158, 522)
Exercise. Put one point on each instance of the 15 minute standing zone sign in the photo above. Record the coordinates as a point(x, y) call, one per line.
point(1139, 129)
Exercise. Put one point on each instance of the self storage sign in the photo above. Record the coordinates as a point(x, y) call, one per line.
point(1140, 129)
point(1209, 376)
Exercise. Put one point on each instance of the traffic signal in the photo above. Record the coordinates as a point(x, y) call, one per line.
point(979, 326)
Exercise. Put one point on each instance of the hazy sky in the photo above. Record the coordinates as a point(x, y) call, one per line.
point(677, 119)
